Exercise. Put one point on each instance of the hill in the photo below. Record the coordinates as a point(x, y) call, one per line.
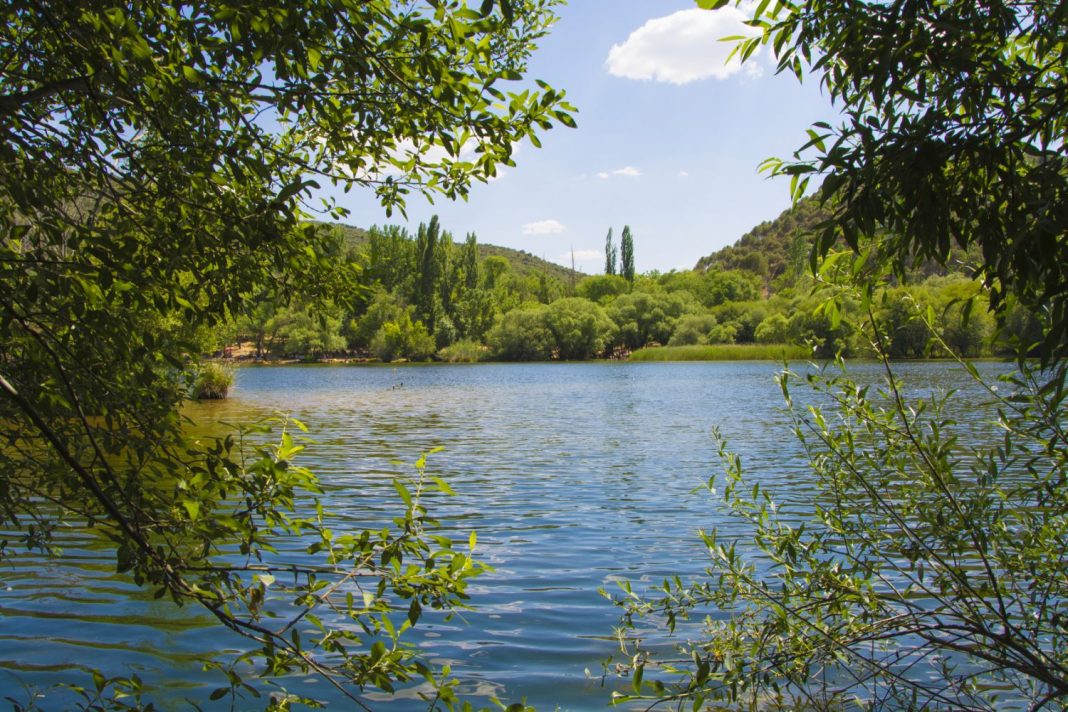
point(781, 247)
point(774, 247)
point(523, 263)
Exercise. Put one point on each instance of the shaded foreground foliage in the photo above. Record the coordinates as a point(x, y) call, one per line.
point(931, 574)
point(155, 159)
point(930, 571)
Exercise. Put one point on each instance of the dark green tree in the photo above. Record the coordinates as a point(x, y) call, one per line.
point(952, 113)
point(425, 296)
point(626, 254)
point(389, 258)
point(469, 265)
point(143, 197)
point(609, 254)
point(928, 574)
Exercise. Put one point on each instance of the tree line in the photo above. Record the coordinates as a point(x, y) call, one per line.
point(428, 296)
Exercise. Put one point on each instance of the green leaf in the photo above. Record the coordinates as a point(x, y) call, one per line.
point(192, 507)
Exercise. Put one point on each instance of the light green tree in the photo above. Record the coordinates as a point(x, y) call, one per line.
point(522, 335)
point(403, 338)
point(603, 288)
point(580, 328)
point(642, 318)
point(692, 329)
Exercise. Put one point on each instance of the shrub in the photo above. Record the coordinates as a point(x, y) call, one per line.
point(522, 335)
point(723, 352)
point(403, 339)
point(463, 352)
point(213, 381)
point(582, 329)
point(692, 329)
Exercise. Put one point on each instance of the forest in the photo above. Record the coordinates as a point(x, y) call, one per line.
point(429, 296)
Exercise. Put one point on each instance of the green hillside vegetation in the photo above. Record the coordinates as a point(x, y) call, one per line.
point(778, 250)
point(773, 248)
point(430, 295)
point(522, 262)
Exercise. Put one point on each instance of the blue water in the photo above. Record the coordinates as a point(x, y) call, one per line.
point(574, 476)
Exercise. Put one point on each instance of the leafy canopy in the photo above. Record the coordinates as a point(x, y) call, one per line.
point(953, 133)
point(156, 158)
point(929, 570)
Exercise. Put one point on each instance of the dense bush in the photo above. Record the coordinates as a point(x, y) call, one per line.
point(403, 339)
point(522, 335)
point(642, 318)
point(692, 329)
point(213, 381)
point(581, 329)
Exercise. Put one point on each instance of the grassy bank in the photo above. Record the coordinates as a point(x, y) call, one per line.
point(723, 352)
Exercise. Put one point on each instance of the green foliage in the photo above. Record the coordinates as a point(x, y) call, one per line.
point(389, 259)
point(384, 307)
point(142, 200)
point(952, 135)
point(773, 330)
point(907, 334)
point(463, 352)
point(403, 339)
point(643, 318)
point(603, 288)
point(723, 352)
point(428, 273)
point(626, 255)
point(306, 331)
point(692, 329)
point(580, 328)
point(213, 381)
point(609, 254)
point(773, 249)
point(714, 286)
point(522, 335)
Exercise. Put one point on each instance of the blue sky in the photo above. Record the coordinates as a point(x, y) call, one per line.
point(668, 141)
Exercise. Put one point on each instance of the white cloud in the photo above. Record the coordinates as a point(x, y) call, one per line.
point(544, 227)
point(625, 171)
point(582, 256)
point(682, 47)
point(684, 174)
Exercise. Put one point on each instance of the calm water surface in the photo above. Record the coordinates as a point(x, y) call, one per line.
point(574, 476)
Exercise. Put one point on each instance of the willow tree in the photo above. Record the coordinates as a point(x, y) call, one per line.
point(929, 572)
point(156, 160)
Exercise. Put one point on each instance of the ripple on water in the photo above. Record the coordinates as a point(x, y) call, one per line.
point(575, 476)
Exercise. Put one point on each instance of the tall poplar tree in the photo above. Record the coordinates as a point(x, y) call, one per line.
point(469, 262)
point(626, 254)
point(609, 254)
point(426, 282)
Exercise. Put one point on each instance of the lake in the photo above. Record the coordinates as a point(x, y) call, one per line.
point(573, 475)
